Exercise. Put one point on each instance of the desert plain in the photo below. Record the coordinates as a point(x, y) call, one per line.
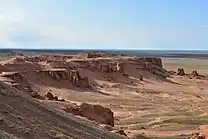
point(103, 95)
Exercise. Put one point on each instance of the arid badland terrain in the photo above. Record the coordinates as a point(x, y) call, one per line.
point(102, 96)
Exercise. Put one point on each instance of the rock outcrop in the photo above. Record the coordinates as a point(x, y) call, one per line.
point(195, 73)
point(85, 55)
point(202, 134)
point(154, 61)
point(93, 112)
point(18, 81)
point(181, 72)
point(13, 75)
point(111, 67)
point(63, 74)
point(120, 67)
point(155, 69)
point(143, 60)
point(50, 96)
point(47, 58)
point(198, 136)
point(18, 64)
point(148, 66)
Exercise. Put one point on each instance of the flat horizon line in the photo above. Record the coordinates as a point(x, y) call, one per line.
point(99, 49)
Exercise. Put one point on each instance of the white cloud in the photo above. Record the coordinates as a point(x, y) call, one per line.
point(10, 19)
point(19, 22)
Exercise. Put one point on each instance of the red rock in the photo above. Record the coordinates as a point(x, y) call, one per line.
point(202, 134)
point(195, 73)
point(85, 55)
point(97, 113)
point(50, 96)
point(141, 78)
point(154, 61)
point(93, 112)
point(56, 98)
point(181, 72)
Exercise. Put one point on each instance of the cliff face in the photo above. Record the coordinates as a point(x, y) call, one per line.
point(110, 67)
point(63, 67)
point(154, 61)
point(18, 81)
point(86, 55)
point(56, 74)
point(47, 58)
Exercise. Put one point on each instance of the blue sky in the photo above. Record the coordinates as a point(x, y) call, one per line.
point(104, 24)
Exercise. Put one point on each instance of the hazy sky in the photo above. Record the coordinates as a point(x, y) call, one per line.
point(138, 24)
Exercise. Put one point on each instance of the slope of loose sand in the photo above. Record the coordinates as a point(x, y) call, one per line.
point(23, 117)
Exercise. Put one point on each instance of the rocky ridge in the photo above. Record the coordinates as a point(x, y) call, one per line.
point(71, 70)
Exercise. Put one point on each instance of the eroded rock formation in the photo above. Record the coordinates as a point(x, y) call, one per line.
point(181, 72)
point(85, 55)
point(13, 75)
point(47, 58)
point(18, 81)
point(202, 134)
point(120, 67)
point(154, 61)
point(198, 136)
point(50, 96)
point(111, 67)
point(195, 73)
point(97, 113)
point(148, 66)
point(155, 69)
point(93, 112)
point(63, 74)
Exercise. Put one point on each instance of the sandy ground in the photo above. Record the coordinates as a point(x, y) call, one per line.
point(161, 108)
point(174, 107)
